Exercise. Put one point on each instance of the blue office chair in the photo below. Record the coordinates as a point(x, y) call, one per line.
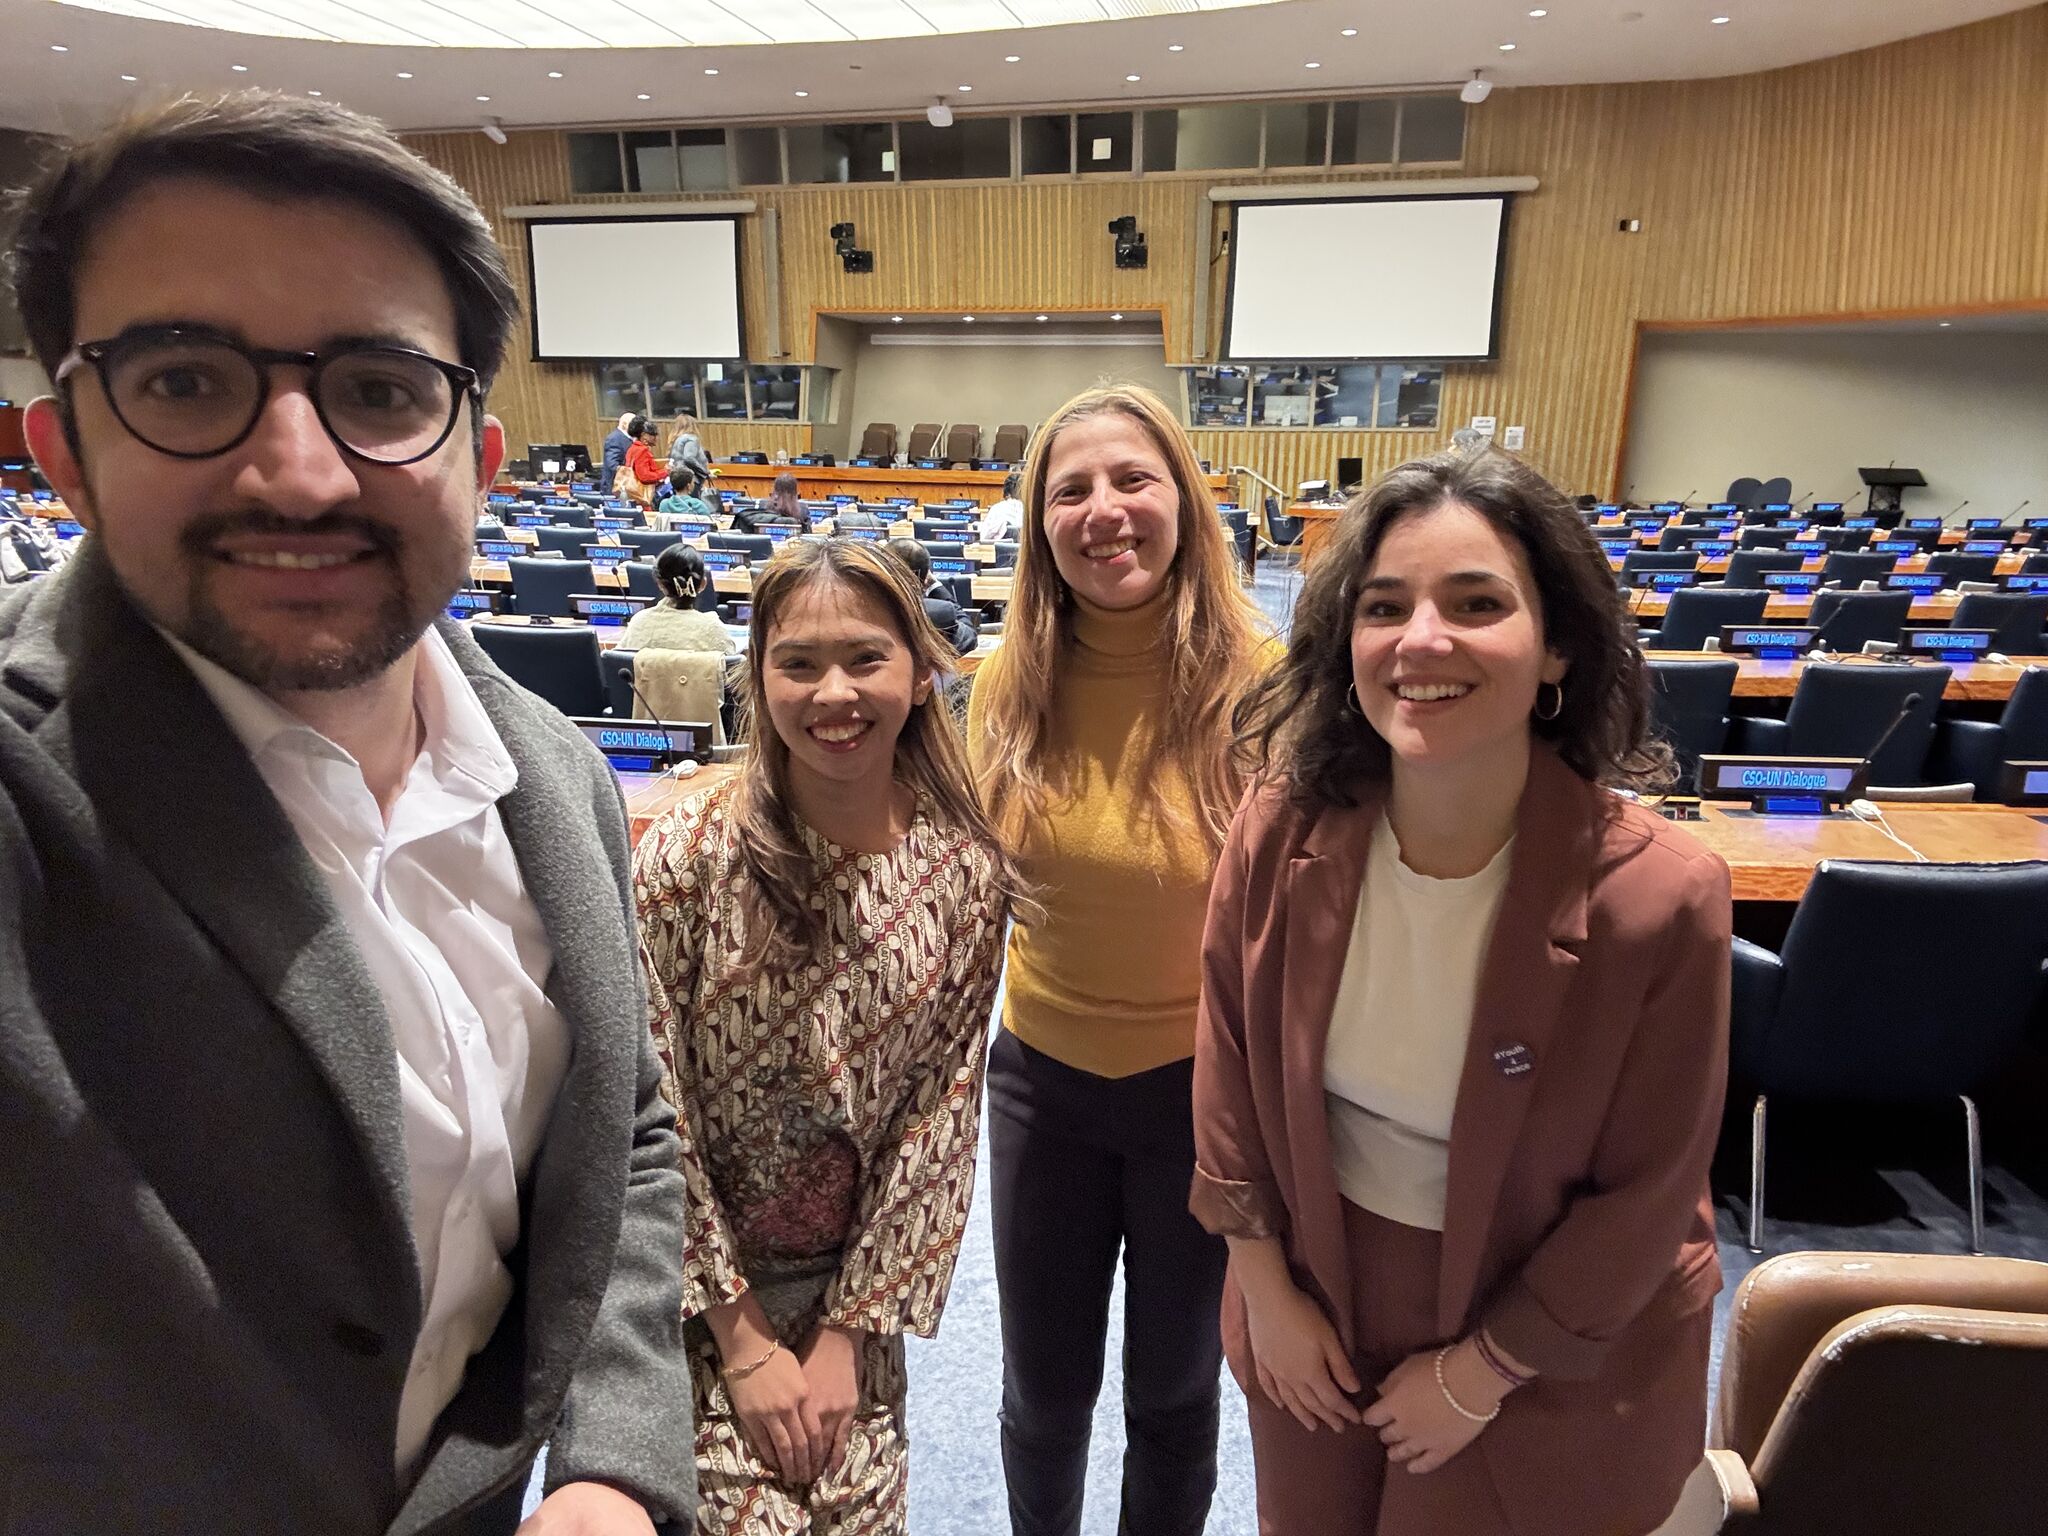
point(2035, 564)
point(1850, 620)
point(640, 580)
point(1826, 1020)
point(1747, 492)
point(1975, 751)
point(1847, 539)
point(561, 665)
point(1658, 560)
point(1927, 539)
point(567, 542)
point(545, 586)
point(490, 529)
point(757, 547)
point(1689, 704)
point(1682, 535)
point(577, 516)
point(647, 543)
point(616, 668)
point(2014, 619)
point(1765, 538)
point(1694, 613)
point(1746, 567)
point(1776, 490)
point(1006, 554)
point(1954, 567)
point(1840, 709)
point(1283, 529)
point(1849, 568)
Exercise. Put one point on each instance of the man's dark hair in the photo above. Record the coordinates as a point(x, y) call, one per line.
point(916, 556)
point(275, 146)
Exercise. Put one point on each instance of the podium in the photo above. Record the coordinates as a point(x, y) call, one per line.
point(1887, 488)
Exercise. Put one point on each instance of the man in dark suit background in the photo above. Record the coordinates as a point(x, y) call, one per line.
point(957, 624)
point(616, 443)
point(336, 1176)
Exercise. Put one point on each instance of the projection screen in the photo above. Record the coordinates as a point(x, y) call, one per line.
point(654, 288)
point(1366, 279)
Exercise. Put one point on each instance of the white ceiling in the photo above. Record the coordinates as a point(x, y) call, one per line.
point(1181, 50)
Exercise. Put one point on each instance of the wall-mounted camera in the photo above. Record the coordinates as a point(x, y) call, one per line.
point(852, 260)
point(1130, 244)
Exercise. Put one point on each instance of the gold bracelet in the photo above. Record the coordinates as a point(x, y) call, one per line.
point(742, 1372)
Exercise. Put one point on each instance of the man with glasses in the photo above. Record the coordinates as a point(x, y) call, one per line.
point(334, 1173)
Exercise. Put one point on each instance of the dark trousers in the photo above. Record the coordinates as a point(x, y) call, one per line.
point(1083, 1167)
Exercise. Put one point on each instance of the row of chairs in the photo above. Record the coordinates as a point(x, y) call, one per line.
point(956, 443)
point(1850, 620)
point(1747, 567)
point(1840, 710)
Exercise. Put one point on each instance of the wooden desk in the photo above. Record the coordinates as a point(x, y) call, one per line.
point(1938, 609)
point(2009, 564)
point(1969, 682)
point(1771, 858)
point(816, 482)
point(498, 571)
point(650, 794)
point(1318, 522)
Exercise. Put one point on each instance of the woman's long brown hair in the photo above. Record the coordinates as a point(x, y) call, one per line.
point(781, 926)
point(1213, 635)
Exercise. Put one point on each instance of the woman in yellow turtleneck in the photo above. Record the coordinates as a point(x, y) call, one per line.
point(1100, 736)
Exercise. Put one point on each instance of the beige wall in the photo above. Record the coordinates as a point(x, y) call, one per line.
point(992, 386)
point(1968, 409)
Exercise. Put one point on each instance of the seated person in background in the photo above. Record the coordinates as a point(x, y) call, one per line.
point(682, 499)
point(1006, 517)
point(947, 616)
point(854, 515)
point(676, 623)
point(782, 506)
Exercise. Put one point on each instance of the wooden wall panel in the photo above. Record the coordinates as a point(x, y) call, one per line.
point(1906, 178)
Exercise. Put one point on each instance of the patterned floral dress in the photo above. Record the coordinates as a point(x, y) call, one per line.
point(828, 1118)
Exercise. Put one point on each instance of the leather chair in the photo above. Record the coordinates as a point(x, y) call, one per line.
point(927, 528)
point(576, 515)
point(1689, 703)
point(1006, 555)
point(490, 530)
point(1847, 539)
point(616, 667)
point(924, 441)
point(1840, 709)
point(640, 580)
point(1695, 613)
point(1823, 520)
point(1928, 539)
point(1831, 1363)
point(1851, 620)
point(755, 546)
point(1848, 567)
point(1954, 567)
point(1775, 490)
point(2014, 619)
point(567, 542)
point(1766, 538)
point(1976, 750)
point(1010, 444)
point(1683, 535)
point(1658, 560)
point(1746, 492)
point(1283, 529)
point(963, 443)
point(647, 543)
point(878, 441)
point(725, 399)
point(781, 400)
point(2035, 564)
point(1746, 567)
point(1821, 1021)
point(561, 665)
point(545, 586)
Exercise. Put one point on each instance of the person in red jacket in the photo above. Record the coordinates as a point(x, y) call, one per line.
point(642, 472)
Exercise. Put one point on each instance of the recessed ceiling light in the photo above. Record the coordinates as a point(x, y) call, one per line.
point(1117, 316)
point(486, 98)
point(131, 80)
point(240, 69)
point(966, 87)
point(968, 319)
point(554, 74)
point(312, 93)
point(1132, 79)
point(405, 74)
point(1011, 58)
point(1312, 64)
point(1507, 47)
point(1349, 32)
point(803, 93)
point(58, 48)
point(1174, 48)
point(1945, 324)
point(645, 97)
point(895, 319)
point(1721, 21)
point(1044, 317)
point(710, 71)
point(1538, 15)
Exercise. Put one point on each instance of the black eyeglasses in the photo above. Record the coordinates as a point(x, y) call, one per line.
point(195, 394)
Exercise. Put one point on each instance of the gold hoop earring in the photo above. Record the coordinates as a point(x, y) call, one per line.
point(1555, 709)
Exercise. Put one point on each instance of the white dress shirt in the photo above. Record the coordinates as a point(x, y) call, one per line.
point(455, 946)
point(1399, 1027)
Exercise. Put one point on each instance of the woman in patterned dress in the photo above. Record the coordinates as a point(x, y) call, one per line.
point(822, 937)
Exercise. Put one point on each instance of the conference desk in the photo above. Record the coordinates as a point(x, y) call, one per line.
point(816, 482)
point(650, 794)
point(1771, 858)
point(1973, 682)
point(2009, 564)
point(1781, 609)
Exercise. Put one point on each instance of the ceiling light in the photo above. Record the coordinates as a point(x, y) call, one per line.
point(803, 93)
point(1117, 316)
point(405, 74)
point(1011, 58)
point(1349, 32)
point(486, 98)
point(312, 93)
point(967, 319)
point(1945, 324)
point(554, 74)
point(1311, 64)
point(938, 114)
point(240, 69)
point(493, 130)
point(643, 96)
point(1538, 15)
point(1131, 79)
point(58, 48)
point(966, 87)
point(1044, 317)
point(1507, 47)
point(895, 319)
point(710, 71)
point(1721, 21)
point(1173, 48)
point(131, 80)
point(1475, 90)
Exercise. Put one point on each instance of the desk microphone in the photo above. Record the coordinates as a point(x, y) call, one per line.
point(679, 768)
point(1952, 511)
point(2016, 511)
point(1820, 636)
point(1860, 779)
point(1686, 500)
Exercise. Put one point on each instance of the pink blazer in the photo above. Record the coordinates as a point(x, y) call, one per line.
point(1577, 1226)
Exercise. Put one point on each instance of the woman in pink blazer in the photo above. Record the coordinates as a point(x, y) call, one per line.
point(1463, 1040)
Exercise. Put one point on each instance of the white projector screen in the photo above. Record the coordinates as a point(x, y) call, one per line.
point(653, 288)
point(1366, 279)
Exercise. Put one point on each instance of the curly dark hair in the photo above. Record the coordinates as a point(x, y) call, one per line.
point(1298, 724)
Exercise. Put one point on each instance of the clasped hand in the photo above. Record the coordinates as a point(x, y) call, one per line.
point(797, 1409)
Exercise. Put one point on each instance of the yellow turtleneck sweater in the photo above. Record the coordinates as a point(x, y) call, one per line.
point(1108, 980)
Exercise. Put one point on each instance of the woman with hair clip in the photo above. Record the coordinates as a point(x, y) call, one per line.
point(822, 940)
point(1100, 737)
point(676, 623)
point(1464, 1040)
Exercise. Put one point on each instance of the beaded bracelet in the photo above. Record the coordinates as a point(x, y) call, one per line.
point(742, 1372)
point(1445, 1387)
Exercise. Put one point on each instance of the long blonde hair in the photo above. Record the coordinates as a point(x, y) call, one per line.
point(1213, 630)
point(780, 925)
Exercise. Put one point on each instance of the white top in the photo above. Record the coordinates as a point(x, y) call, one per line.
point(1399, 1026)
point(1004, 520)
point(456, 949)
